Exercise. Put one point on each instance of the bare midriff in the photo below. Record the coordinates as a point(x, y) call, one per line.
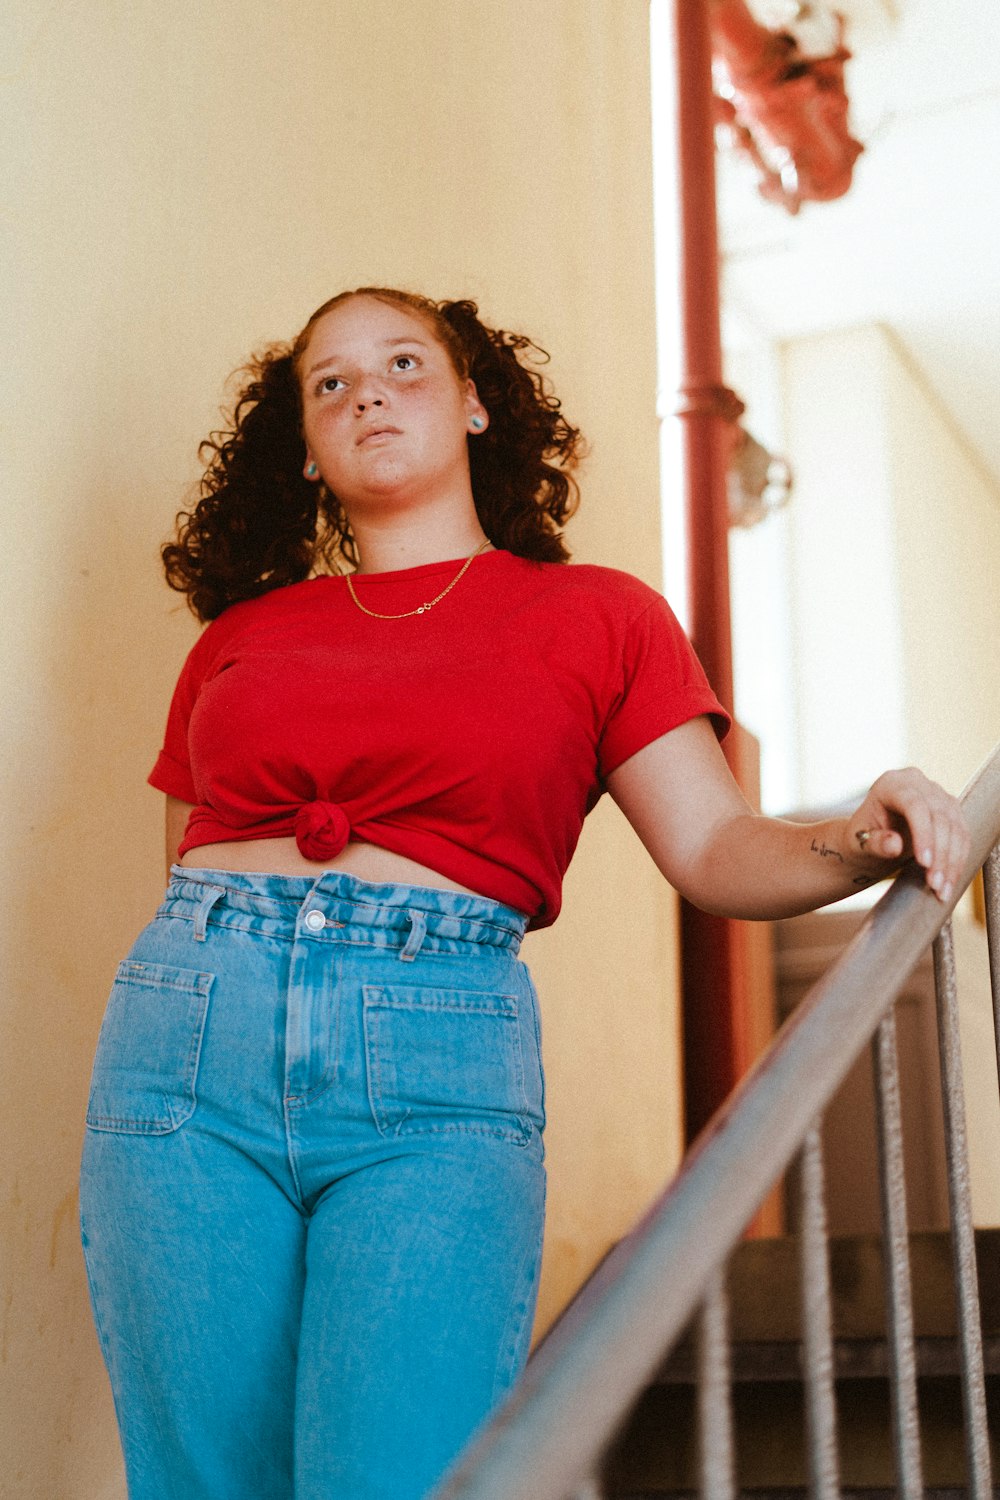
point(282, 857)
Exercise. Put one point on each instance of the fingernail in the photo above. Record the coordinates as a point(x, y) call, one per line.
point(935, 880)
point(925, 858)
point(946, 893)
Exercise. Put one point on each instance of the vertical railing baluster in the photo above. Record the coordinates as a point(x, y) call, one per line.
point(896, 1262)
point(991, 892)
point(963, 1240)
point(715, 1410)
point(817, 1325)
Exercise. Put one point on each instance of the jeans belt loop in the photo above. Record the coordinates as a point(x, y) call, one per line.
point(215, 894)
point(418, 931)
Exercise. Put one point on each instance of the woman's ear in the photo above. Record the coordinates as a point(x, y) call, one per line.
point(477, 417)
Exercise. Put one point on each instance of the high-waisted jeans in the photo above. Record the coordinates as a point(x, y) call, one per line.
point(312, 1189)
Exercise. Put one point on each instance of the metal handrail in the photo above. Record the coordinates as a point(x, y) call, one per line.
point(546, 1441)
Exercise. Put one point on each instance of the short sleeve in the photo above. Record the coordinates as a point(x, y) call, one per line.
point(172, 770)
point(663, 684)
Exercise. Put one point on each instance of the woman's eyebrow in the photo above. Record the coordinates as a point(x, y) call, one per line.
point(336, 359)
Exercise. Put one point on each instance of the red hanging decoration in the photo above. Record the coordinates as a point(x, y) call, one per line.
point(784, 110)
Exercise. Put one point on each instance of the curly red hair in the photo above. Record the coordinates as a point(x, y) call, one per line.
point(260, 524)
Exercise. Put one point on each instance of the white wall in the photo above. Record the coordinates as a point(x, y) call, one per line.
point(764, 642)
point(843, 565)
point(888, 557)
point(893, 556)
point(946, 517)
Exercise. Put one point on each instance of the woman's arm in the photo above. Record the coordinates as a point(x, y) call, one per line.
point(178, 813)
point(681, 799)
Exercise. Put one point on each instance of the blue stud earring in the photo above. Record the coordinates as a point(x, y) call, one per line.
point(478, 424)
point(311, 471)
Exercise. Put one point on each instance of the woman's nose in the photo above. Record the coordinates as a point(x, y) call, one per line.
point(368, 392)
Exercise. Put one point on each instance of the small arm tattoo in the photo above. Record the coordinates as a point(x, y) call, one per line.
point(824, 851)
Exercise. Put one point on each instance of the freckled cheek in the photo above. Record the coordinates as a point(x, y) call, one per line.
point(325, 433)
point(431, 407)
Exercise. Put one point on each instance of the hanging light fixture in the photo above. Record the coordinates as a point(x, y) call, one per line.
point(758, 482)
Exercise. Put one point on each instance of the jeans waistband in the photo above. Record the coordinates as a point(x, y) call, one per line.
point(352, 910)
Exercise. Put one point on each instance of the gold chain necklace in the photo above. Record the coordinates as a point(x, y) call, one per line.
point(421, 608)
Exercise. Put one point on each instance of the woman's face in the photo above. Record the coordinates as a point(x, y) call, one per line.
point(385, 414)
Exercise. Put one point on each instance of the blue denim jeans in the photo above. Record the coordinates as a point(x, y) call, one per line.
point(312, 1189)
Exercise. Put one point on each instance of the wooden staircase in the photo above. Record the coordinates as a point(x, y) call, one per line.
point(656, 1452)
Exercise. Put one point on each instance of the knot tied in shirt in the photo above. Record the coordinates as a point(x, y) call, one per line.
point(321, 829)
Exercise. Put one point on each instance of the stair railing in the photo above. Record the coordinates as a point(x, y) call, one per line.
point(547, 1441)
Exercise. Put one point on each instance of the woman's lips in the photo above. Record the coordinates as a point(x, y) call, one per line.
point(376, 433)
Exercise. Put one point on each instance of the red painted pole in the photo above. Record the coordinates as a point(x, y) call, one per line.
point(715, 968)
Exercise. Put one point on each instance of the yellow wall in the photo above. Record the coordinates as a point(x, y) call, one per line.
point(186, 182)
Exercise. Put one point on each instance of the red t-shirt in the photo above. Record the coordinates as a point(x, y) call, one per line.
point(474, 738)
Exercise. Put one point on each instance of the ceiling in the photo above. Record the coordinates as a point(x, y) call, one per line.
point(916, 242)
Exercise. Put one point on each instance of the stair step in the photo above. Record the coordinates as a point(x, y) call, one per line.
point(763, 1280)
point(656, 1453)
point(853, 1359)
point(802, 1493)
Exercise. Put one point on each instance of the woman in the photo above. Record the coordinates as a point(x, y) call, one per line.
point(312, 1187)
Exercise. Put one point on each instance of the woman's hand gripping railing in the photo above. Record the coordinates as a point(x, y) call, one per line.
point(547, 1441)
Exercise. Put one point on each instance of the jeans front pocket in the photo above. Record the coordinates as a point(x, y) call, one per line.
point(445, 1059)
point(143, 1082)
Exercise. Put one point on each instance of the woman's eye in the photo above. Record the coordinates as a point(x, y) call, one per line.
point(405, 362)
point(330, 383)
